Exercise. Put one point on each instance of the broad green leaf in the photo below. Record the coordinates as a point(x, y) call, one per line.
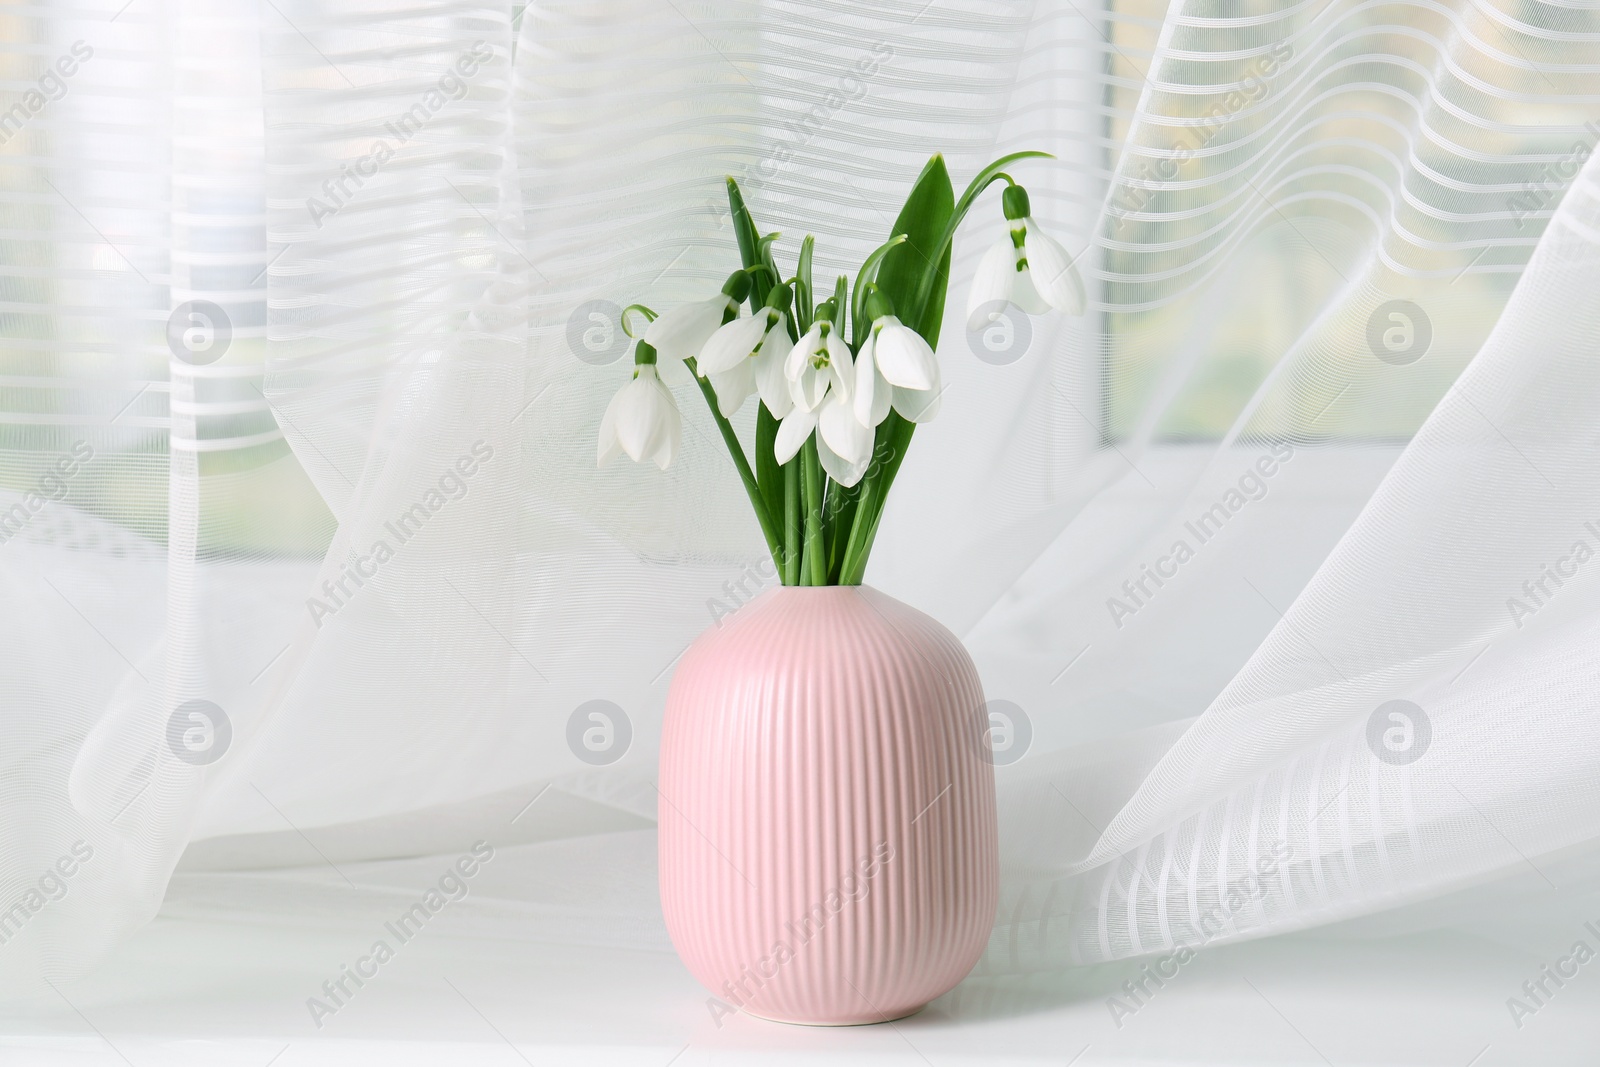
point(925, 221)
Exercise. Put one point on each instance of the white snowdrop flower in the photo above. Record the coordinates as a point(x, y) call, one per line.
point(680, 333)
point(1027, 268)
point(818, 363)
point(642, 419)
point(904, 371)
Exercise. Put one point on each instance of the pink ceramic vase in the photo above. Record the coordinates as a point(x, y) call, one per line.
point(827, 817)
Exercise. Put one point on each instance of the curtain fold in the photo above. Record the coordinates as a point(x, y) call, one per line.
point(310, 330)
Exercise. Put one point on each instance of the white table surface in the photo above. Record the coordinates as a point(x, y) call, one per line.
point(558, 956)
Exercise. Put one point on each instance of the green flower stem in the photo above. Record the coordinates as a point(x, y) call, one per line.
point(791, 524)
point(912, 316)
point(768, 529)
point(649, 316)
point(769, 475)
point(889, 447)
point(838, 513)
point(858, 527)
point(868, 271)
point(815, 568)
point(894, 440)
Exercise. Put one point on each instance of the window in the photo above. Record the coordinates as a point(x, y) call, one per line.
point(1227, 259)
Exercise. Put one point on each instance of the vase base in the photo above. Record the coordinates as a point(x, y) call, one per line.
point(870, 1021)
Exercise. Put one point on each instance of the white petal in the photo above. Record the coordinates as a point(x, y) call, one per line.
point(809, 388)
point(840, 368)
point(674, 373)
point(915, 404)
point(919, 405)
point(808, 383)
point(610, 448)
point(669, 444)
point(1053, 274)
point(903, 357)
point(632, 421)
point(845, 434)
point(1023, 293)
point(733, 387)
point(872, 395)
point(770, 380)
point(840, 469)
point(792, 433)
point(731, 344)
point(800, 353)
point(882, 396)
point(641, 422)
point(991, 285)
point(866, 381)
point(681, 332)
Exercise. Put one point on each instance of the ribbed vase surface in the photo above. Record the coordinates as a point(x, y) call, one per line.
point(828, 847)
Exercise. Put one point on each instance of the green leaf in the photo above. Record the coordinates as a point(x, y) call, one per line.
point(864, 277)
point(769, 475)
point(925, 220)
point(764, 251)
point(814, 566)
point(839, 516)
point(793, 527)
point(750, 247)
point(893, 439)
point(917, 288)
point(754, 249)
point(925, 313)
point(889, 448)
point(802, 286)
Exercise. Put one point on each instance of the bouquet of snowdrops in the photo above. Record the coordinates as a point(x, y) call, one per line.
point(843, 381)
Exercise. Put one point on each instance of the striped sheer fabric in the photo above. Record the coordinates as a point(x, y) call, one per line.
point(307, 343)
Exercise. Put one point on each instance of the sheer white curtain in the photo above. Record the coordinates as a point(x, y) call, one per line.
point(1344, 273)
